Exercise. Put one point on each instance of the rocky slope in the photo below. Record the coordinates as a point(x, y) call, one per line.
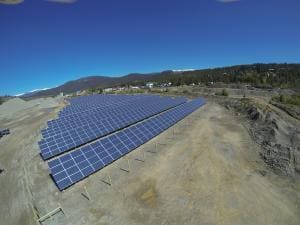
point(278, 135)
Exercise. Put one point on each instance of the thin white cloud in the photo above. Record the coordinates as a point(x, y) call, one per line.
point(183, 70)
point(35, 90)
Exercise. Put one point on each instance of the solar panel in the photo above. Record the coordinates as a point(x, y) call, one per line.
point(73, 167)
point(66, 123)
point(99, 107)
point(71, 138)
point(98, 102)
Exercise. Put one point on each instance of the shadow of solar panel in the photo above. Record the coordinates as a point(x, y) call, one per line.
point(72, 167)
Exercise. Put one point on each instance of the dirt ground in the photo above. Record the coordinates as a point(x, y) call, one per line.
point(204, 170)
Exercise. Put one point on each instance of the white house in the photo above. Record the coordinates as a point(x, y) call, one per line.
point(150, 85)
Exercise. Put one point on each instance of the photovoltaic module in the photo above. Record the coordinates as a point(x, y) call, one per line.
point(93, 131)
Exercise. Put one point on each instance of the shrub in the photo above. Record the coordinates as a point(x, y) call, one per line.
point(282, 98)
point(1, 100)
point(224, 92)
point(288, 99)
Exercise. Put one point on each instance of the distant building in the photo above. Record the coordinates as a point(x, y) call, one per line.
point(79, 93)
point(166, 84)
point(134, 87)
point(150, 85)
point(105, 90)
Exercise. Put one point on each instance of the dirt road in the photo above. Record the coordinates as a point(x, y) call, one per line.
point(207, 172)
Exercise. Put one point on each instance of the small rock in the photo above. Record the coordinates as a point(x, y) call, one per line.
point(274, 123)
point(262, 172)
point(253, 113)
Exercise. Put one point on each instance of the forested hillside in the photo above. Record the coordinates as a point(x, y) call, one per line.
point(258, 75)
point(262, 75)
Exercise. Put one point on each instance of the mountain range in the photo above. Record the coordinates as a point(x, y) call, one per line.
point(89, 82)
point(279, 75)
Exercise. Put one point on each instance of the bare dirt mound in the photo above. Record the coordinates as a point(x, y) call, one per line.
point(278, 135)
point(7, 109)
point(17, 105)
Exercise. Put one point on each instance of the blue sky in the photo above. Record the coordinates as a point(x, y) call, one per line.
point(46, 43)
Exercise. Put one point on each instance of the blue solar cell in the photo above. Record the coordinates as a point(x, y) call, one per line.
point(135, 140)
point(72, 170)
point(50, 139)
point(60, 145)
point(57, 169)
point(93, 159)
point(117, 143)
point(76, 177)
point(85, 148)
point(70, 146)
point(83, 164)
point(107, 145)
point(68, 163)
point(106, 160)
point(123, 138)
point(51, 143)
point(95, 144)
point(76, 154)
point(46, 154)
point(64, 183)
point(55, 151)
point(116, 155)
point(79, 159)
point(104, 141)
point(98, 165)
point(87, 171)
point(143, 138)
point(59, 176)
point(53, 163)
point(89, 154)
point(65, 157)
point(102, 154)
point(127, 142)
point(123, 150)
point(130, 135)
point(77, 142)
point(114, 139)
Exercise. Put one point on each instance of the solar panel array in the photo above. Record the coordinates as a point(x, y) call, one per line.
point(70, 134)
point(76, 120)
point(86, 103)
point(84, 109)
point(105, 128)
